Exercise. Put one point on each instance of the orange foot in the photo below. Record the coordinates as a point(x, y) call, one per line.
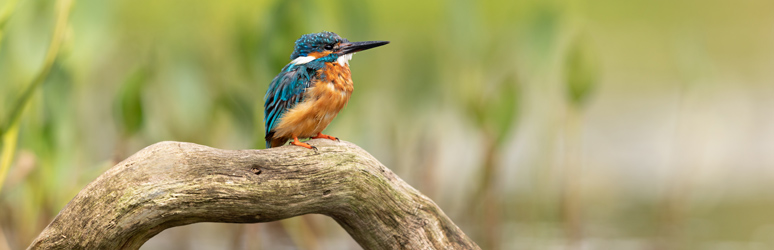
point(321, 135)
point(302, 144)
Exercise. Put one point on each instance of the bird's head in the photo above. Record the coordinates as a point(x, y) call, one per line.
point(328, 47)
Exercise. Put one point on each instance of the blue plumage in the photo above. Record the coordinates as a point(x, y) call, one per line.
point(285, 91)
point(308, 61)
point(315, 42)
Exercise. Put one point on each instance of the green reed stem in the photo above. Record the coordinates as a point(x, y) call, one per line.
point(9, 131)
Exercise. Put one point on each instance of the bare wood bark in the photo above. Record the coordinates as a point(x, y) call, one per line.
point(171, 184)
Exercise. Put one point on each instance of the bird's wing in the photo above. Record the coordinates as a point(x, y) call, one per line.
point(285, 91)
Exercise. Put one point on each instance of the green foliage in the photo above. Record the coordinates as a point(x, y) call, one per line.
point(443, 100)
point(5, 15)
point(128, 106)
point(9, 140)
point(9, 129)
point(496, 111)
point(580, 74)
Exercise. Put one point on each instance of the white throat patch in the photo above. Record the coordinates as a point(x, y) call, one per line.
point(303, 60)
point(344, 60)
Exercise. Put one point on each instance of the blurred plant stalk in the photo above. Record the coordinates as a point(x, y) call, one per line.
point(7, 152)
point(5, 15)
point(572, 177)
point(9, 130)
point(674, 207)
point(580, 81)
point(495, 113)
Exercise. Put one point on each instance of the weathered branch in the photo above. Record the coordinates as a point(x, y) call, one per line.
point(171, 184)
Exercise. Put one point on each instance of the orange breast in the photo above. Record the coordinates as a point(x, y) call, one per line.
point(322, 102)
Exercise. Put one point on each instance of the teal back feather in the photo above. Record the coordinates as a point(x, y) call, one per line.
point(286, 91)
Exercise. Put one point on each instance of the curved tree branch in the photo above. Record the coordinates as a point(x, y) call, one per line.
point(171, 184)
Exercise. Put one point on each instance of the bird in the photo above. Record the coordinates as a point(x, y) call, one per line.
point(309, 92)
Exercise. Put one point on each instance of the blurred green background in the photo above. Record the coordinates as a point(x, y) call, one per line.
point(533, 124)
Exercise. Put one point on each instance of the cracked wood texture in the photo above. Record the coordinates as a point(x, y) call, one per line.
point(172, 184)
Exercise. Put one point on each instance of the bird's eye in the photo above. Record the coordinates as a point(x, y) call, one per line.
point(328, 46)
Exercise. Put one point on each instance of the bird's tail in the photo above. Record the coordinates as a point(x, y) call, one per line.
point(268, 137)
point(274, 142)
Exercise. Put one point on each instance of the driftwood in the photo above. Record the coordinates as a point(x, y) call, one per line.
point(171, 184)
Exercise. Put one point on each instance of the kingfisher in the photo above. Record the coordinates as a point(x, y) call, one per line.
point(310, 90)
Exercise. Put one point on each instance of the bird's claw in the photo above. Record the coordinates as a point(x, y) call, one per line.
point(302, 144)
point(332, 138)
point(324, 136)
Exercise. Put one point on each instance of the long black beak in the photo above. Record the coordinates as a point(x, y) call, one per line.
point(347, 48)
